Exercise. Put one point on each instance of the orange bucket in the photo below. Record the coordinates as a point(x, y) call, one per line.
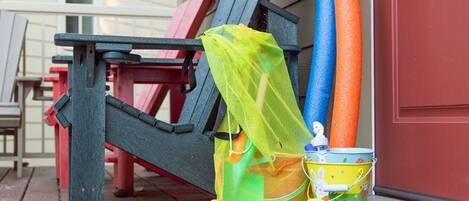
point(284, 179)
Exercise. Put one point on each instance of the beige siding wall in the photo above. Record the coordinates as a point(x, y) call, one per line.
point(305, 10)
point(40, 48)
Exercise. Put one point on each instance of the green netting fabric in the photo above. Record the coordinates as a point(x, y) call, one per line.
point(250, 72)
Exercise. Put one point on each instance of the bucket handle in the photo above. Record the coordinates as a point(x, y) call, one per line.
point(339, 187)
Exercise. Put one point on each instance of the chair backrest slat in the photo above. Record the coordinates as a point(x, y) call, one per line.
point(200, 107)
point(201, 102)
point(185, 24)
point(12, 31)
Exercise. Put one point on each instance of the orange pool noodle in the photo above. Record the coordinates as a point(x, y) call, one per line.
point(348, 74)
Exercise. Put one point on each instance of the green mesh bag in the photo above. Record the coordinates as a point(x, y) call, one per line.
point(264, 162)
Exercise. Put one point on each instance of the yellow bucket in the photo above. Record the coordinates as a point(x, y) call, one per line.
point(340, 181)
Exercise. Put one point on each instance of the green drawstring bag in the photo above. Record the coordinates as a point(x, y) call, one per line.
point(264, 162)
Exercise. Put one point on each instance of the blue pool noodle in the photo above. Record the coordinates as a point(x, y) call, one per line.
point(322, 65)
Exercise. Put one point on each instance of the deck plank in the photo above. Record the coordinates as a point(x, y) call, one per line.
point(42, 186)
point(3, 172)
point(180, 192)
point(63, 194)
point(381, 198)
point(143, 190)
point(13, 188)
point(109, 189)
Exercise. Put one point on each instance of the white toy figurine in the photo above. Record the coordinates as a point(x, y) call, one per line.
point(320, 142)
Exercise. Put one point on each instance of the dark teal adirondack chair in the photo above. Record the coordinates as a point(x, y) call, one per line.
point(184, 149)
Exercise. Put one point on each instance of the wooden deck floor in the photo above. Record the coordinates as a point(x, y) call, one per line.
point(40, 184)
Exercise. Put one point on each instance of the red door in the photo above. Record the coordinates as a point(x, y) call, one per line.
point(422, 97)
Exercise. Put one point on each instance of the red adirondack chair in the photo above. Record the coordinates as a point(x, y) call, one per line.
point(50, 120)
point(184, 24)
point(59, 86)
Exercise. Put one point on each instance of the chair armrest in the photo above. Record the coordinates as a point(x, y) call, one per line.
point(126, 43)
point(29, 80)
point(34, 83)
point(9, 109)
point(123, 58)
point(50, 78)
point(8, 105)
point(73, 39)
point(62, 59)
point(165, 62)
point(12, 110)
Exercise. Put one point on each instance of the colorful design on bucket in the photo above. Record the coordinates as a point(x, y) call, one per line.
point(341, 155)
point(364, 192)
point(360, 160)
point(319, 184)
point(342, 182)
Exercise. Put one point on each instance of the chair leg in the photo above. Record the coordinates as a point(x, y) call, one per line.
point(4, 144)
point(15, 148)
point(124, 179)
point(63, 157)
point(57, 151)
point(20, 132)
point(19, 160)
